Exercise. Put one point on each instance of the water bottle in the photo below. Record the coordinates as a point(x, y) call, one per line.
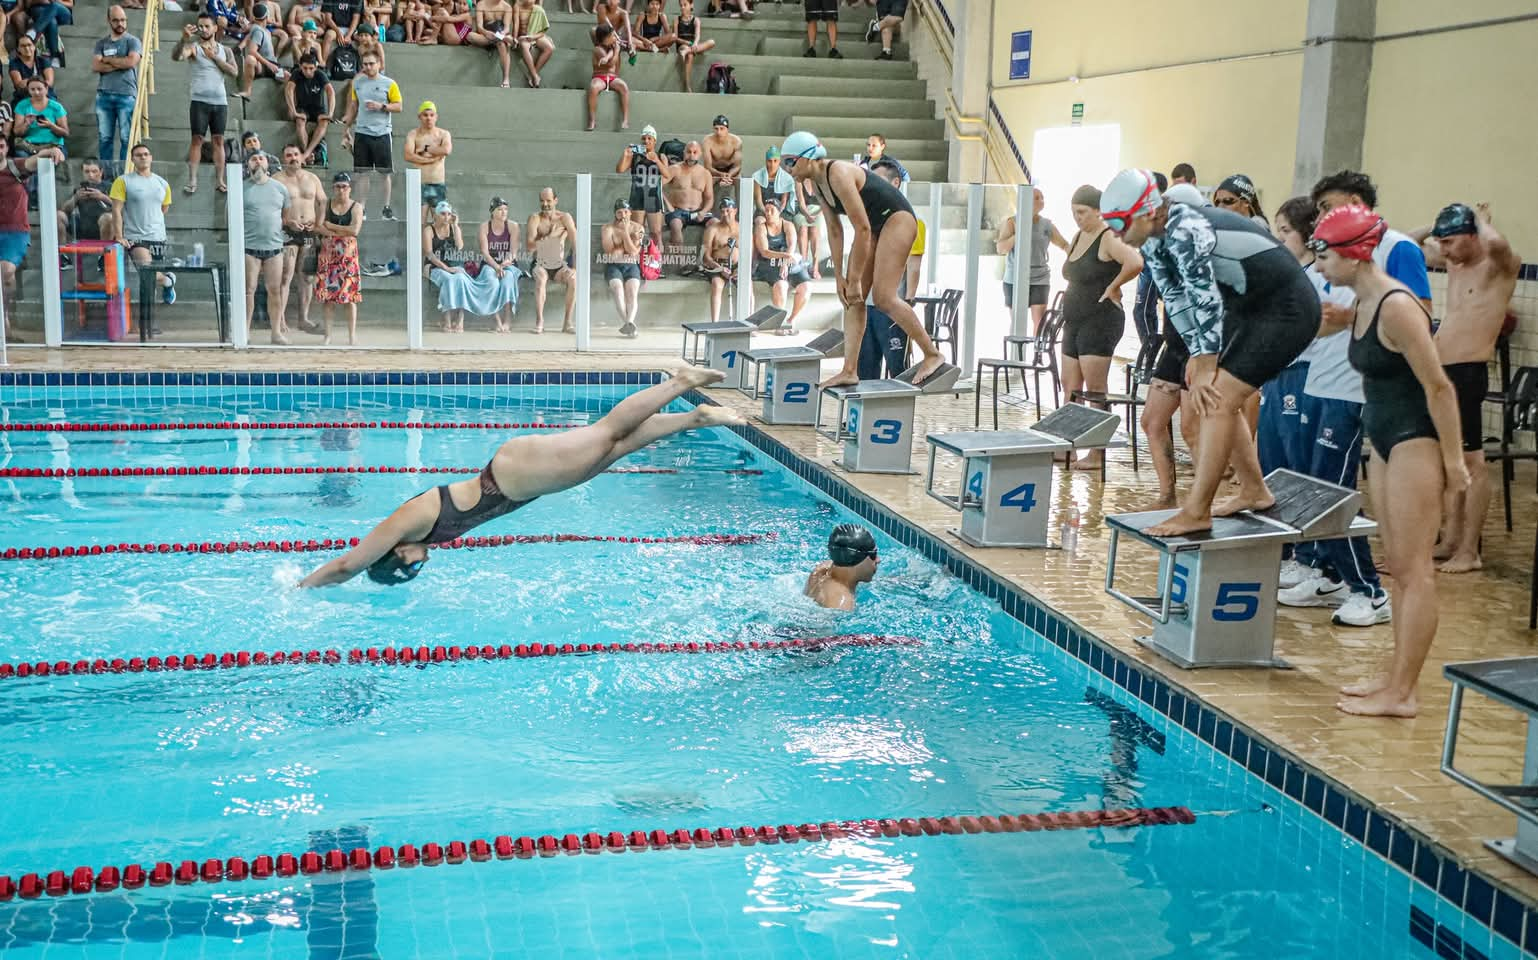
point(197, 255)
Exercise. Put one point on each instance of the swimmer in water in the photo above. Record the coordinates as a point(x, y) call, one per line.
point(851, 561)
point(524, 468)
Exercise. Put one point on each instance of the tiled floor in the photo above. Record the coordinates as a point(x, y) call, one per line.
point(1390, 763)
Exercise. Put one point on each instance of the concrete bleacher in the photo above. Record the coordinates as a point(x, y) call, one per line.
point(513, 142)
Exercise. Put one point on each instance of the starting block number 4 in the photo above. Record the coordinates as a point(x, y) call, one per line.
point(1023, 497)
point(1235, 602)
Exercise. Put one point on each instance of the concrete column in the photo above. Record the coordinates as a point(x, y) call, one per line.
point(971, 58)
point(1332, 115)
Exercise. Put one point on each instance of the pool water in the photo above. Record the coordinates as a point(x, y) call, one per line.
point(981, 716)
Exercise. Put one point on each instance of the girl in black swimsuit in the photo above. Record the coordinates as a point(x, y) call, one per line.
point(1411, 418)
point(884, 231)
point(687, 29)
point(523, 469)
point(651, 31)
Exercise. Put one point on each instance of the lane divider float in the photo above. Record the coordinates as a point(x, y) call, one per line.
point(85, 880)
point(51, 426)
point(65, 472)
point(344, 543)
point(425, 656)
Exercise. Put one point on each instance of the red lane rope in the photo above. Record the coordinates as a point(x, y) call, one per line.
point(83, 880)
point(62, 472)
point(423, 656)
point(312, 546)
point(58, 427)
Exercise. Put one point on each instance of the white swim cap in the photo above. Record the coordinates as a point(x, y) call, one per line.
point(1186, 194)
point(802, 145)
point(1129, 195)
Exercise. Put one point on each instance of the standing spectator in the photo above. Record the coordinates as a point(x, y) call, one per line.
point(339, 22)
point(718, 253)
point(1183, 173)
point(889, 17)
point(25, 65)
point(140, 199)
point(885, 343)
point(499, 252)
point(651, 31)
point(723, 153)
point(40, 122)
point(338, 279)
point(427, 148)
point(1237, 193)
point(15, 232)
point(549, 236)
point(47, 17)
point(689, 194)
point(777, 264)
point(772, 181)
point(690, 41)
point(115, 60)
point(606, 77)
point(311, 100)
point(210, 63)
point(374, 98)
point(875, 152)
point(307, 201)
point(621, 240)
point(493, 18)
point(267, 209)
point(260, 58)
point(826, 13)
point(86, 214)
point(443, 247)
point(531, 31)
point(1043, 232)
point(646, 170)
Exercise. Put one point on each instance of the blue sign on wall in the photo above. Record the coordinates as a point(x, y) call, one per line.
point(1020, 55)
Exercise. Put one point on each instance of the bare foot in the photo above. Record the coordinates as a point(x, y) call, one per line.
point(710, 416)
point(692, 376)
point(1240, 502)
point(190, 187)
point(625, 124)
point(592, 125)
point(1365, 688)
point(539, 328)
point(1180, 524)
point(927, 368)
point(1086, 463)
point(1164, 501)
point(1460, 563)
point(840, 379)
point(1381, 704)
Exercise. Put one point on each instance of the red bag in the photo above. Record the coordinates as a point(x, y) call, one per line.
point(651, 260)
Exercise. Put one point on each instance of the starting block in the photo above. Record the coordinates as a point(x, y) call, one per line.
point(1512, 683)
point(875, 420)
point(1216, 601)
point(784, 378)
point(1002, 470)
point(830, 343)
point(718, 346)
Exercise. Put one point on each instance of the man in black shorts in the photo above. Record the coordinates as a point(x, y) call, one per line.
point(208, 100)
point(374, 99)
point(889, 17)
point(621, 240)
point(1244, 308)
point(827, 12)
point(311, 100)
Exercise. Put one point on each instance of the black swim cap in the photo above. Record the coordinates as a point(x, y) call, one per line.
point(392, 571)
point(849, 543)
point(1454, 220)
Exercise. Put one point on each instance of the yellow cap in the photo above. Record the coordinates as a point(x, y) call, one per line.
point(426, 106)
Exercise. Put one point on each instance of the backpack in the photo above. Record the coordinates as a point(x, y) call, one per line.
point(651, 260)
point(343, 63)
point(673, 150)
point(231, 150)
point(396, 33)
point(720, 79)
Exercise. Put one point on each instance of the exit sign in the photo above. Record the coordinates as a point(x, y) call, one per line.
point(1078, 114)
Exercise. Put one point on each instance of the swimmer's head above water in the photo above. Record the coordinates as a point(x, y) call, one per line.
point(400, 565)
point(851, 545)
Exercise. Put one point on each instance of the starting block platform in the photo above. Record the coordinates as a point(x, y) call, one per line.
point(1216, 600)
point(875, 420)
point(783, 378)
point(1513, 683)
point(1002, 470)
point(719, 345)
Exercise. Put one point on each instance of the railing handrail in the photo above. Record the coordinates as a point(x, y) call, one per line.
point(139, 125)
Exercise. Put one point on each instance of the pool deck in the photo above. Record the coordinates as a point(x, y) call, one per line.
point(1393, 764)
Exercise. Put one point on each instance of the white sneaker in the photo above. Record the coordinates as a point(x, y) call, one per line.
point(1317, 591)
point(1294, 573)
point(1363, 611)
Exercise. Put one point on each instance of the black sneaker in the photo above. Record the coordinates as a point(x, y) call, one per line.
point(884, 55)
point(810, 52)
point(833, 54)
point(872, 31)
point(388, 214)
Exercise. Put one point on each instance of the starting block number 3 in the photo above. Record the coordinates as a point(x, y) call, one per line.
point(1022, 497)
point(881, 431)
point(1236, 602)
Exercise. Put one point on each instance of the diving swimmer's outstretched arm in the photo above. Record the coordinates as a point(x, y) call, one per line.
point(407, 525)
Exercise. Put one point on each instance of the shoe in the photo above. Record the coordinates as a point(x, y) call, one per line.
point(388, 214)
point(168, 292)
point(58, 59)
point(66, 264)
point(1363, 611)
point(884, 55)
point(811, 52)
point(872, 31)
point(833, 54)
point(375, 270)
point(1317, 591)
point(627, 330)
point(1294, 573)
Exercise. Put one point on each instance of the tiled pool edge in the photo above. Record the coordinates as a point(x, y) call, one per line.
point(1482, 899)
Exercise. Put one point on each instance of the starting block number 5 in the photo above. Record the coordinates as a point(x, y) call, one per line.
point(1236, 602)
point(1022, 497)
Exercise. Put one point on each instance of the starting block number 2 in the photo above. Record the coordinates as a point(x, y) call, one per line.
point(1236, 602)
point(1022, 497)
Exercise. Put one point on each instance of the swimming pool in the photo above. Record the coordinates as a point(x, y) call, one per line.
point(977, 716)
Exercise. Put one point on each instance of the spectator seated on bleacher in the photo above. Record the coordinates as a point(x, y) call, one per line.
point(776, 262)
point(41, 20)
point(499, 261)
point(310, 100)
point(493, 31)
point(690, 41)
point(25, 65)
point(772, 180)
point(718, 253)
point(621, 241)
point(606, 59)
point(40, 122)
point(259, 56)
point(417, 18)
point(339, 22)
point(86, 214)
point(531, 31)
point(651, 31)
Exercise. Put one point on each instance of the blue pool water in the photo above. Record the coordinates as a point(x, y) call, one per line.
point(983, 718)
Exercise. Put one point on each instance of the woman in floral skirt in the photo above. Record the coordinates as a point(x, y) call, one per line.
point(338, 276)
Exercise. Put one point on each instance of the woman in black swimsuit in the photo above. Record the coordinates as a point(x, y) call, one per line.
point(690, 43)
point(1411, 417)
point(884, 231)
point(523, 468)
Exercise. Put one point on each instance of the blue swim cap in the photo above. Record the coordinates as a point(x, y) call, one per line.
point(802, 145)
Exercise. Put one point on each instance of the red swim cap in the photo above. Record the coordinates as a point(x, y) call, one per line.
point(1352, 231)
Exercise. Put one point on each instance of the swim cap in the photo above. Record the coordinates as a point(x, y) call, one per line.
point(773, 153)
point(1186, 194)
point(1454, 220)
point(849, 543)
point(1352, 231)
point(1130, 194)
point(803, 145)
point(426, 106)
point(649, 131)
point(1087, 196)
point(1242, 187)
point(392, 571)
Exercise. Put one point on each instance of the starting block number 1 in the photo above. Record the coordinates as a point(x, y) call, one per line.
point(1236, 602)
point(1022, 497)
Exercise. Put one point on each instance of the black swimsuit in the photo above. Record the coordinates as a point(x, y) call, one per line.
point(880, 199)
point(686, 30)
point(651, 31)
point(1396, 408)
point(454, 523)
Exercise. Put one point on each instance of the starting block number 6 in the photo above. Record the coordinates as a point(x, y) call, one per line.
point(1236, 602)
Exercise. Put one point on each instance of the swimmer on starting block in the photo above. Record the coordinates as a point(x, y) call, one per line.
point(851, 561)
point(522, 469)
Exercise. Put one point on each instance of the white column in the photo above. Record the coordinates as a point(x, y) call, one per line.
point(5, 358)
point(582, 244)
point(235, 216)
point(413, 265)
point(48, 224)
point(969, 301)
point(936, 215)
point(745, 247)
point(1020, 314)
